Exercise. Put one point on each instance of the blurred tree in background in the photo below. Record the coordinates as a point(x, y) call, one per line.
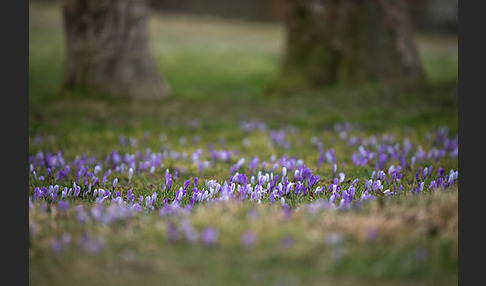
point(107, 49)
point(328, 41)
point(348, 41)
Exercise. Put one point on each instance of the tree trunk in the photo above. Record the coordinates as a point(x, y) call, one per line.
point(107, 49)
point(349, 41)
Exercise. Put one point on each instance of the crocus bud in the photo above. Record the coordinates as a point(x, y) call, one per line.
point(130, 175)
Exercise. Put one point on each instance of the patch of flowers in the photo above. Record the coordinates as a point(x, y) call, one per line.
point(100, 190)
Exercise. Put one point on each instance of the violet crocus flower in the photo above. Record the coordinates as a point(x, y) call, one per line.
point(104, 181)
point(272, 198)
point(77, 190)
point(312, 180)
point(129, 195)
point(115, 182)
point(63, 206)
point(368, 184)
point(172, 233)
point(56, 245)
point(288, 188)
point(341, 177)
point(130, 174)
point(168, 182)
point(92, 245)
point(188, 230)
point(97, 169)
point(333, 197)
point(425, 172)
point(440, 172)
point(371, 234)
point(249, 239)
point(209, 236)
point(297, 175)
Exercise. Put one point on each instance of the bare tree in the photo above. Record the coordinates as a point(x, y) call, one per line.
point(339, 41)
point(107, 49)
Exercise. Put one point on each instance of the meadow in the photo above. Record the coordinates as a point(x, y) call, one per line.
point(222, 184)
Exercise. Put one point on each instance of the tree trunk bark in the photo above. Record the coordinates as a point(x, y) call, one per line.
point(107, 49)
point(349, 41)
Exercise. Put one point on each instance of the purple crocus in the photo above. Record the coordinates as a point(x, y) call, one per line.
point(341, 177)
point(103, 182)
point(130, 174)
point(77, 190)
point(90, 244)
point(440, 172)
point(209, 236)
point(188, 230)
point(248, 239)
point(313, 180)
point(371, 234)
point(172, 233)
point(56, 245)
point(63, 206)
point(168, 181)
point(425, 172)
point(115, 182)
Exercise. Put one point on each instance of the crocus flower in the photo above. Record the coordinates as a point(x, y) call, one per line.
point(93, 245)
point(371, 234)
point(56, 245)
point(425, 172)
point(209, 236)
point(97, 169)
point(172, 233)
point(130, 174)
point(63, 206)
point(168, 182)
point(115, 181)
point(440, 172)
point(189, 231)
point(77, 190)
point(297, 175)
point(248, 239)
point(104, 181)
point(341, 177)
point(312, 180)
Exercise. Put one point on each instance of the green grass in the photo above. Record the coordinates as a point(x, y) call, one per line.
point(219, 71)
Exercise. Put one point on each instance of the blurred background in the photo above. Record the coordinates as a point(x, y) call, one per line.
point(428, 16)
point(218, 58)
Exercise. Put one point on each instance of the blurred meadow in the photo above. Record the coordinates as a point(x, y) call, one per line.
point(219, 70)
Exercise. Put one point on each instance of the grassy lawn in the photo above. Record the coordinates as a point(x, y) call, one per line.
point(219, 114)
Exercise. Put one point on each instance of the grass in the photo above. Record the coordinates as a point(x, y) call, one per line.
point(219, 70)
